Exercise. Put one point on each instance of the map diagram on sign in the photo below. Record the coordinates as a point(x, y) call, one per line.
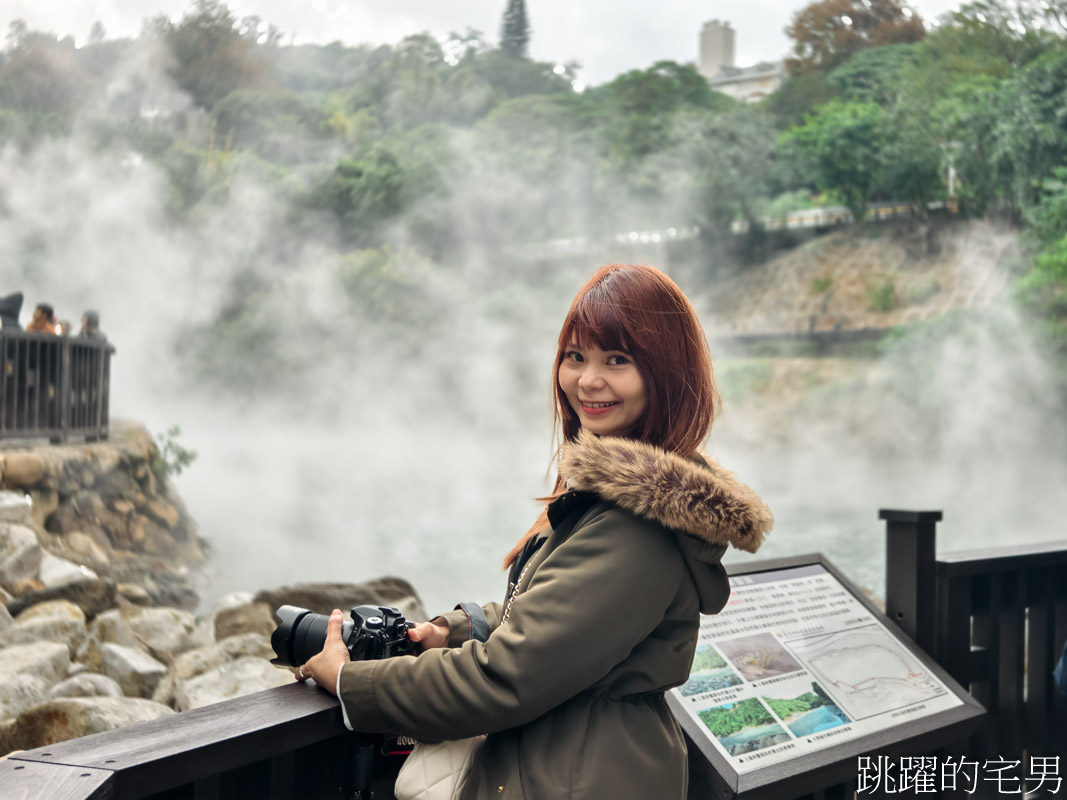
point(867, 671)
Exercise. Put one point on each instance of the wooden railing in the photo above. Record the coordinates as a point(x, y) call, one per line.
point(995, 620)
point(53, 386)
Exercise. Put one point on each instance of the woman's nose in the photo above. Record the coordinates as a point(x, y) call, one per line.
point(591, 377)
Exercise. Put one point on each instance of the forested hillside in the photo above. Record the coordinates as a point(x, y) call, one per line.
point(401, 160)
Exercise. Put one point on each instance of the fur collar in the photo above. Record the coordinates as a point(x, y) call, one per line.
point(695, 496)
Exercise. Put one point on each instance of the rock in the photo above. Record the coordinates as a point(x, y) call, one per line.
point(250, 618)
point(137, 595)
point(322, 598)
point(27, 672)
point(202, 659)
point(76, 669)
point(87, 684)
point(14, 507)
point(86, 550)
point(20, 554)
point(124, 507)
point(164, 630)
point(136, 672)
point(23, 469)
point(108, 628)
point(52, 609)
point(55, 621)
point(56, 571)
point(44, 502)
point(205, 624)
point(25, 586)
point(91, 596)
point(164, 513)
point(236, 679)
point(70, 632)
point(72, 717)
point(5, 617)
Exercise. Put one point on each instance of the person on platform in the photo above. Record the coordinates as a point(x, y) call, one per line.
point(91, 327)
point(44, 319)
point(567, 676)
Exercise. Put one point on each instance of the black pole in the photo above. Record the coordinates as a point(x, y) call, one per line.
point(910, 579)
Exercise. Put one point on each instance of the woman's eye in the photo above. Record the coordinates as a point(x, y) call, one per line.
point(574, 355)
point(617, 361)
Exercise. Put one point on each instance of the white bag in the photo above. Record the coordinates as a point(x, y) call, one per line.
point(437, 771)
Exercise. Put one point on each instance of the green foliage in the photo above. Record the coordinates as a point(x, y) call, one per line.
point(874, 75)
point(883, 296)
point(515, 29)
point(707, 658)
point(842, 143)
point(747, 713)
point(171, 458)
point(211, 58)
point(820, 285)
point(795, 705)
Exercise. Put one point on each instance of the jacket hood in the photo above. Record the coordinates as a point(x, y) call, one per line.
point(692, 496)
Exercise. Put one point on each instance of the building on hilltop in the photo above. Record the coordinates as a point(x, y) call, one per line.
point(747, 84)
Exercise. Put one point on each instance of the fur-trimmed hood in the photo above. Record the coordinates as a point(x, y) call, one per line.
point(697, 497)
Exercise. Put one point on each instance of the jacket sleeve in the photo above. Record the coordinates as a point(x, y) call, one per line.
point(459, 623)
point(591, 601)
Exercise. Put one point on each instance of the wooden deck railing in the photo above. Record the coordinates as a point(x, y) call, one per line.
point(995, 620)
point(53, 386)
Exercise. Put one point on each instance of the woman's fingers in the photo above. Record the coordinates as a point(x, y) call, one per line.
point(333, 628)
point(429, 635)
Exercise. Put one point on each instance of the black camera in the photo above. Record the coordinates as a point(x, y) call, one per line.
point(373, 632)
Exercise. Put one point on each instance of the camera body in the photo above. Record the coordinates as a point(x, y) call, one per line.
point(371, 633)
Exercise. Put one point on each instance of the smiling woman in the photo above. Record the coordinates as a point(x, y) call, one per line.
point(635, 505)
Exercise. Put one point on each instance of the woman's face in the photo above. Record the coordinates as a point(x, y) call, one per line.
point(604, 388)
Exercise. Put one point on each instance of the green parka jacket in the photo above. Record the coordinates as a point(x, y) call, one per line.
point(603, 621)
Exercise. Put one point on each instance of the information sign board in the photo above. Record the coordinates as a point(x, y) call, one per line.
point(799, 670)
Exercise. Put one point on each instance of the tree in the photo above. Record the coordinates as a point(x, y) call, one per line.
point(515, 29)
point(97, 33)
point(827, 33)
point(842, 143)
point(874, 74)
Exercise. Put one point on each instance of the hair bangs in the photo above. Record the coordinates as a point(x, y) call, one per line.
point(597, 321)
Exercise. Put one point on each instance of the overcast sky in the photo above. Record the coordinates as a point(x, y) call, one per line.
point(595, 33)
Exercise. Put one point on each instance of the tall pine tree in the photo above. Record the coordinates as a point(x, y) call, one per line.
point(515, 29)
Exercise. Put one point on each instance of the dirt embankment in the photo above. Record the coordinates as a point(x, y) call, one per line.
point(873, 275)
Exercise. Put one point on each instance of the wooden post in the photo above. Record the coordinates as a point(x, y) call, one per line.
point(911, 591)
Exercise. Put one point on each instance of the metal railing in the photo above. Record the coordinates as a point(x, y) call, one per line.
point(53, 386)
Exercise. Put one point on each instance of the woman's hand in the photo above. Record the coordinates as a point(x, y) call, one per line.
point(323, 667)
point(429, 635)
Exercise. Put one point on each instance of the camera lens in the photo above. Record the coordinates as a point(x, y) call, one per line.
point(300, 635)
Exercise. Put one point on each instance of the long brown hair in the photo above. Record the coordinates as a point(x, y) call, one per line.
point(639, 310)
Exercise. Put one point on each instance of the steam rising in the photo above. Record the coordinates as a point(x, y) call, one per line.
point(342, 451)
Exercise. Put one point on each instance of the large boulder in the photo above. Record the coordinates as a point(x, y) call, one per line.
point(86, 684)
point(111, 627)
point(56, 621)
point(56, 571)
point(14, 507)
point(136, 672)
point(202, 659)
point(20, 553)
point(23, 469)
point(59, 720)
point(250, 618)
point(27, 672)
point(322, 598)
point(163, 630)
point(205, 623)
point(235, 679)
point(91, 595)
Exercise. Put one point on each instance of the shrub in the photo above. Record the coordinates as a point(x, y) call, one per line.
point(883, 296)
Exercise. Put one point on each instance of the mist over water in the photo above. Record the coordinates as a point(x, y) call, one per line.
point(330, 450)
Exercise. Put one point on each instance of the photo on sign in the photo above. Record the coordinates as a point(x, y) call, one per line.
point(709, 672)
point(758, 657)
point(867, 670)
point(806, 712)
point(743, 727)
